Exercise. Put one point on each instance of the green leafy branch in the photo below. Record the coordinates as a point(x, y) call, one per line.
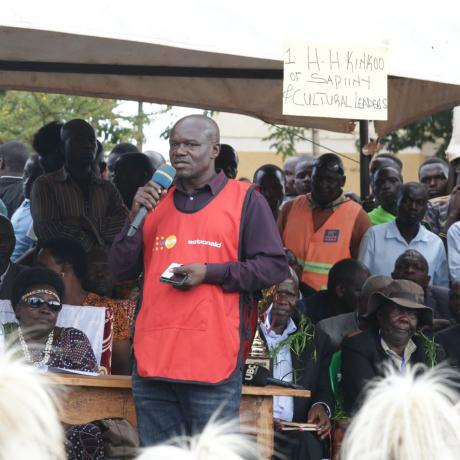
point(284, 138)
point(301, 340)
point(430, 348)
point(436, 128)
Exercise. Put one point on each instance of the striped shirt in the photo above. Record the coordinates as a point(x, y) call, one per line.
point(61, 210)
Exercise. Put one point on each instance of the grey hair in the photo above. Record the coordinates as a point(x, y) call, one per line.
point(410, 416)
point(218, 441)
point(28, 416)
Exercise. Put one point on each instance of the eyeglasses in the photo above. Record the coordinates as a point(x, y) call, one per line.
point(399, 310)
point(38, 302)
point(280, 296)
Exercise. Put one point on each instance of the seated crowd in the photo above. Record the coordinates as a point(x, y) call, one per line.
point(364, 287)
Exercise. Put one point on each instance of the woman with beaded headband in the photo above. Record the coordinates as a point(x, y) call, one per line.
point(36, 300)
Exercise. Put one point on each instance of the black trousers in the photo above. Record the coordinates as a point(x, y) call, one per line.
point(294, 445)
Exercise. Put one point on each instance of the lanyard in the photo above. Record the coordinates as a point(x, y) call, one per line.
point(403, 363)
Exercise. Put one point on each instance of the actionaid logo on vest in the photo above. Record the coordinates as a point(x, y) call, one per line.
point(167, 242)
point(331, 236)
point(213, 244)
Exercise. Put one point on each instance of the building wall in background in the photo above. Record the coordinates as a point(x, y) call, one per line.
point(250, 161)
point(245, 134)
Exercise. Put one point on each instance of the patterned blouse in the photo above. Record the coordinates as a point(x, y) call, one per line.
point(123, 312)
point(72, 350)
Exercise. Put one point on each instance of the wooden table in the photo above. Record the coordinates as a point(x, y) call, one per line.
point(85, 399)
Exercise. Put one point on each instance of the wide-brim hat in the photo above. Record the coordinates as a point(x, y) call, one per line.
point(405, 293)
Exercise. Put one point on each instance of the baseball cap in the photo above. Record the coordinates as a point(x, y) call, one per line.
point(330, 162)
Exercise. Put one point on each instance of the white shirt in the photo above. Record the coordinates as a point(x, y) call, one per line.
point(383, 244)
point(399, 361)
point(283, 406)
point(453, 250)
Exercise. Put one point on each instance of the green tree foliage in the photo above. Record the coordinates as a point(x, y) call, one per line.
point(23, 113)
point(434, 128)
point(284, 138)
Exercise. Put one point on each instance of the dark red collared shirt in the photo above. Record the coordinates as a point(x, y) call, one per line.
point(264, 262)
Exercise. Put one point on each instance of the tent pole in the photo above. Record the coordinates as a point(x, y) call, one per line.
point(364, 160)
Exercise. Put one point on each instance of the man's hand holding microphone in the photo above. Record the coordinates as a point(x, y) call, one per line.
point(148, 197)
point(145, 200)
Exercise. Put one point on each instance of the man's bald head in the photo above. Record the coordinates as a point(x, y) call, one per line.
point(76, 127)
point(411, 265)
point(156, 158)
point(13, 157)
point(208, 126)
point(289, 166)
point(193, 148)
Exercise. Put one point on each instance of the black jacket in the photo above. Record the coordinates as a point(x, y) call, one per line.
point(437, 298)
point(312, 374)
point(11, 193)
point(319, 306)
point(450, 340)
point(6, 287)
point(362, 360)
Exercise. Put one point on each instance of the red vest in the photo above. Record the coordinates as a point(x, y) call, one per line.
point(194, 335)
point(318, 251)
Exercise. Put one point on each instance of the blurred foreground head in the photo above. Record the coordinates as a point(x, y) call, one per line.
point(28, 416)
point(218, 441)
point(410, 416)
point(227, 161)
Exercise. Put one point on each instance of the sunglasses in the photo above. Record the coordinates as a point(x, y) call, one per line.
point(38, 302)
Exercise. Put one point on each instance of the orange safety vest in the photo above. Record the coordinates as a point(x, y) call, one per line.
point(195, 335)
point(318, 251)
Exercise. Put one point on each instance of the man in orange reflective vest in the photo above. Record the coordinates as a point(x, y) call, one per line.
point(324, 226)
point(188, 340)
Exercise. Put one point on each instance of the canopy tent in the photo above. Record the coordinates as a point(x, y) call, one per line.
point(225, 56)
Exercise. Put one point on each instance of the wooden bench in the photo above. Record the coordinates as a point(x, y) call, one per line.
point(85, 399)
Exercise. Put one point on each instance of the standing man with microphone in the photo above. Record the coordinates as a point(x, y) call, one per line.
point(191, 327)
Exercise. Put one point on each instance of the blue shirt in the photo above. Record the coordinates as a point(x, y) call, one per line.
point(453, 250)
point(22, 220)
point(383, 244)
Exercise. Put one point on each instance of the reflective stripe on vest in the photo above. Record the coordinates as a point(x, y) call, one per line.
point(194, 335)
point(316, 267)
point(319, 250)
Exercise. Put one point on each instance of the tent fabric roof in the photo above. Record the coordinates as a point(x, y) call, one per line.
point(224, 56)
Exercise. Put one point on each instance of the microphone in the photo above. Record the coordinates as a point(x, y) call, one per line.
point(259, 376)
point(163, 177)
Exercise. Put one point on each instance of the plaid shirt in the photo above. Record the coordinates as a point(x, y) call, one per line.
point(61, 210)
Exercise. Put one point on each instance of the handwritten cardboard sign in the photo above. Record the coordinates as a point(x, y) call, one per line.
point(335, 81)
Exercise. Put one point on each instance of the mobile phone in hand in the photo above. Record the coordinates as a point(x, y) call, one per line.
point(174, 279)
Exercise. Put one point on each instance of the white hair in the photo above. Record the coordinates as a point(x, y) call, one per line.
point(410, 416)
point(218, 441)
point(30, 427)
